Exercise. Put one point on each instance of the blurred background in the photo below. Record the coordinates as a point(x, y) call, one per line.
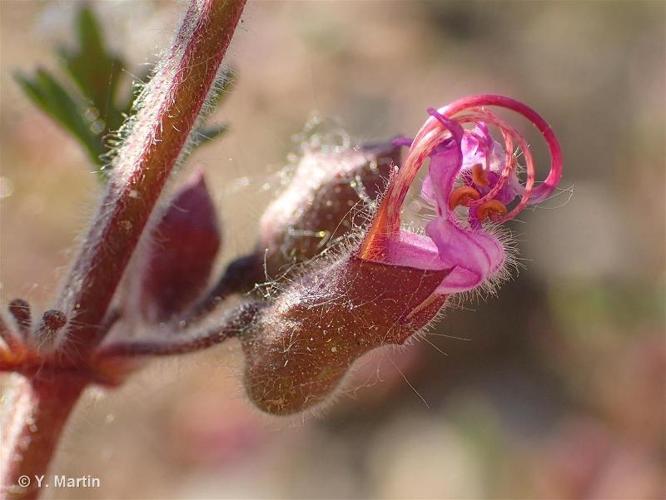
point(553, 389)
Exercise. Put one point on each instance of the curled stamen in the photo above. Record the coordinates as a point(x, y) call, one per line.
point(463, 195)
point(444, 125)
point(549, 184)
point(386, 223)
point(508, 135)
point(491, 209)
point(509, 132)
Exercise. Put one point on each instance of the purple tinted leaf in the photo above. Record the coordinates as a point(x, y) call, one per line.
point(186, 243)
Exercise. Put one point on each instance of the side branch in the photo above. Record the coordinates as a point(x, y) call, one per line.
point(232, 324)
point(170, 106)
point(166, 347)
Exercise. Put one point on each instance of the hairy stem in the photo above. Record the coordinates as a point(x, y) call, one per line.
point(169, 108)
point(33, 417)
point(165, 347)
point(232, 324)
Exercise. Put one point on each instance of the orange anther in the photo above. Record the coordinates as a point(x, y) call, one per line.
point(462, 196)
point(491, 209)
point(479, 175)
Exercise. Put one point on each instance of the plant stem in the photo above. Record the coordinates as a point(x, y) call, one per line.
point(36, 409)
point(34, 414)
point(233, 323)
point(168, 110)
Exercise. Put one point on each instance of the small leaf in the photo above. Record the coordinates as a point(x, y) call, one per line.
point(94, 114)
point(186, 243)
point(52, 98)
point(95, 69)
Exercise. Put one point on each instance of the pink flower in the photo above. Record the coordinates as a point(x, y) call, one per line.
point(472, 183)
point(394, 283)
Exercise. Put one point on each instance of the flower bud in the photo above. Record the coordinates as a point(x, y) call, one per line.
point(329, 189)
point(298, 349)
point(183, 251)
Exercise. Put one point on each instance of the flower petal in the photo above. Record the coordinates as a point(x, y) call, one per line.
point(478, 145)
point(445, 162)
point(474, 255)
point(413, 250)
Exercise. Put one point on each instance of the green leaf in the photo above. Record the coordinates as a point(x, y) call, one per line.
point(52, 98)
point(91, 115)
point(95, 69)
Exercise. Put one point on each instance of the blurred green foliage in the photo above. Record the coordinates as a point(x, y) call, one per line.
point(89, 107)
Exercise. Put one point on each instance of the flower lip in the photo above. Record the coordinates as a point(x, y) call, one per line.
point(446, 124)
